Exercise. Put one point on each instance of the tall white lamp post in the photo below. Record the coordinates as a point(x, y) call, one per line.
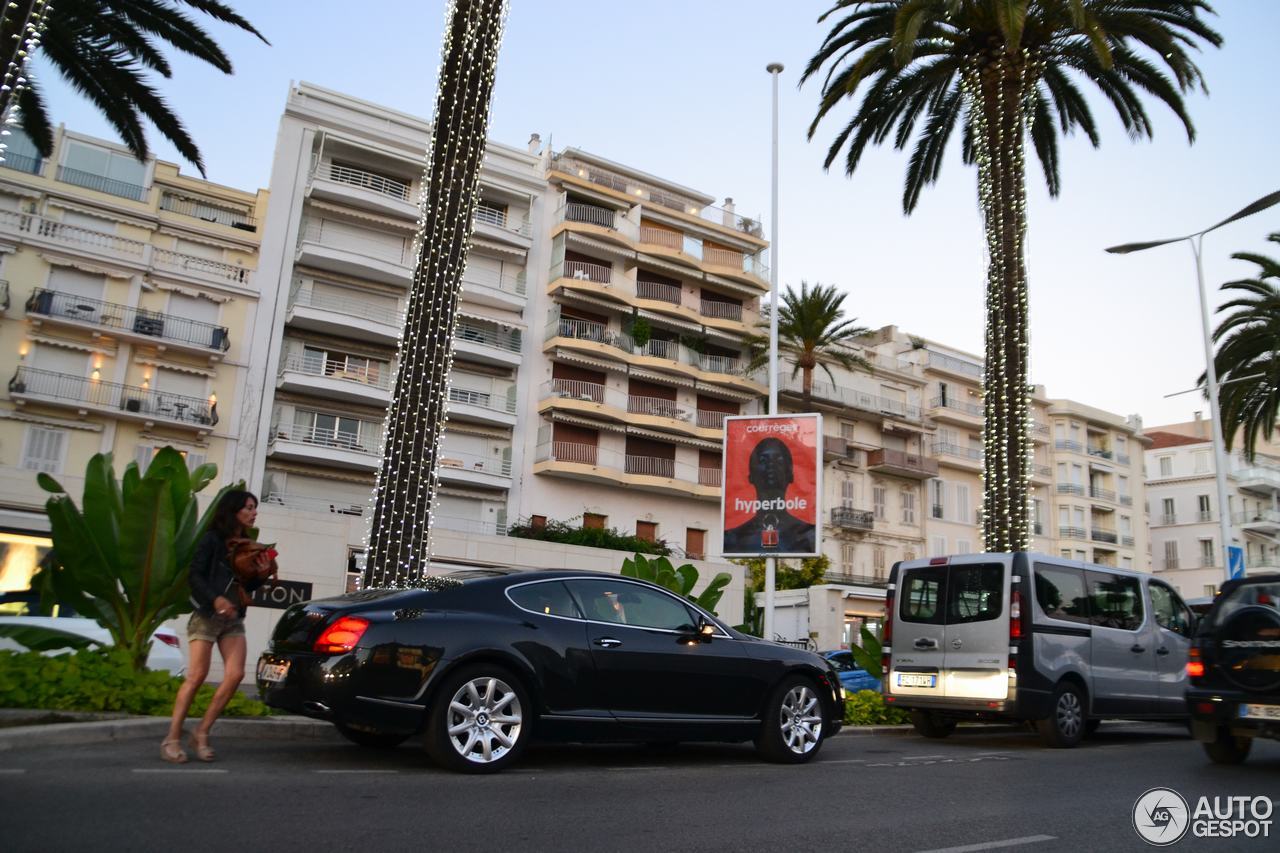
point(771, 563)
point(1196, 241)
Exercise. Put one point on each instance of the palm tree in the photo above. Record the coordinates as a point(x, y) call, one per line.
point(103, 49)
point(812, 332)
point(1248, 356)
point(1004, 70)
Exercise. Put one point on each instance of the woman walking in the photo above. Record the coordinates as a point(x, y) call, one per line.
point(218, 618)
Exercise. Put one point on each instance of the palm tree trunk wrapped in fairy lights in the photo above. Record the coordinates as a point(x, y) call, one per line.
point(404, 498)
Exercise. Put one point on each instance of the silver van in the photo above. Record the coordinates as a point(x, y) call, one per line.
point(1026, 636)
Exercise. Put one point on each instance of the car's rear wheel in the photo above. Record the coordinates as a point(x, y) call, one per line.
point(793, 727)
point(480, 720)
point(373, 740)
point(932, 725)
point(1065, 725)
point(1228, 749)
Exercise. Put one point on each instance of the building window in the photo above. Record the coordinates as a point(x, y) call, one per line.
point(44, 450)
point(1206, 553)
point(355, 569)
point(1210, 590)
point(1205, 511)
point(962, 503)
point(848, 493)
point(937, 498)
point(1126, 562)
point(594, 521)
point(695, 543)
point(1166, 466)
point(1170, 516)
point(877, 558)
point(908, 555)
point(1201, 461)
point(144, 454)
point(938, 546)
point(647, 530)
point(908, 505)
point(847, 554)
point(1122, 486)
point(877, 501)
point(848, 430)
point(963, 546)
point(1082, 556)
point(1171, 554)
point(1065, 553)
point(538, 522)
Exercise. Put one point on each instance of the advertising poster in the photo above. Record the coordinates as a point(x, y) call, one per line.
point(772, 486)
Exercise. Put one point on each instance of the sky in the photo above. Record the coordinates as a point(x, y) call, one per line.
point(678, 88)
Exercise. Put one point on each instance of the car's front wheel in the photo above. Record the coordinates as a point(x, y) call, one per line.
point(1228, 749)
point(373, 740)
point(480, 720)
point(793, 727)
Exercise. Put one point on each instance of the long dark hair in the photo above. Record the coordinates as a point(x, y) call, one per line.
point(224, 516)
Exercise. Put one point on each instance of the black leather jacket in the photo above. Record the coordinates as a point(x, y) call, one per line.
point(211, 575)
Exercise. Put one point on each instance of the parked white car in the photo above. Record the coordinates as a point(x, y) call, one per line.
point(20, 608)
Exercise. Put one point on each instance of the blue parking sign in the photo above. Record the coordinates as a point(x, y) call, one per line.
point(1235, 561)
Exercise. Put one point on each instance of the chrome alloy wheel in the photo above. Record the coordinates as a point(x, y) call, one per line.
point(801, 719)
point(484, 719)
point(1069, 714)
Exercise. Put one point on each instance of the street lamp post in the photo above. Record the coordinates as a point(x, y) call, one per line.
point(771, 563)
point(1196, 241)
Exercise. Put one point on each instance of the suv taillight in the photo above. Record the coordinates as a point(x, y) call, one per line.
point(341, 636)
point(1195, 666)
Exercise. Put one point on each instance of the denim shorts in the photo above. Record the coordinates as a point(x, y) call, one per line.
point(213, 628)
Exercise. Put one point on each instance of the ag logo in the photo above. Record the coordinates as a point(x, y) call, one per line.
point(1161, 817)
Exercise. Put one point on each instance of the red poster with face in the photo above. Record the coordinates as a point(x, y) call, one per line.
point(772, 486)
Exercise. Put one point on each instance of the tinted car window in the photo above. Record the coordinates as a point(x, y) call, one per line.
point(1245, 595)
point(974, 593)
point(549, 597)
point(843, 662)
point(1060, 592)
point(1168, 609)
point(630, 604)
point(922, 595)
point(1115, 601)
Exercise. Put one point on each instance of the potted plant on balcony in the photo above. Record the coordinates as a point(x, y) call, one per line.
point(640, 331)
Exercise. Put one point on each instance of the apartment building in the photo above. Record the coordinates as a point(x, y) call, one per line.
point(650, 294)
point(130, 301)
point(1182, 496)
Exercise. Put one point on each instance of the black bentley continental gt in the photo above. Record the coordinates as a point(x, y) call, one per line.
point(485, 660)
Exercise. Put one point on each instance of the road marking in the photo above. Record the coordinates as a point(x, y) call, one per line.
point(997, 752)
point(637, 768)
point(11, 771)
point(922, 757)
point(833, 761)
point(992, 845)
point(355, 771)
point(176, 770)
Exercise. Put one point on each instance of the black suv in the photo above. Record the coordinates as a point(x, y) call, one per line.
point(1233, 669)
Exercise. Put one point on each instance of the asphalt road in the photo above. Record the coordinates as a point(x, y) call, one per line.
point(979, 789)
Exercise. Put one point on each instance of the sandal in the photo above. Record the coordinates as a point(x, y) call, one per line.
point(171, 750)
point(200, 743)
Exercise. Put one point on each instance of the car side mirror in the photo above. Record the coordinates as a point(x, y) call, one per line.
point(705, 630)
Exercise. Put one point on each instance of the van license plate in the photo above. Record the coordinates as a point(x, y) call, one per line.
point(916, 679)
point(1260, 712)
point(273, 672)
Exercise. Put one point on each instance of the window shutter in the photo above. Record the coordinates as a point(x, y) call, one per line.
point(44, 450)
point(142, 455)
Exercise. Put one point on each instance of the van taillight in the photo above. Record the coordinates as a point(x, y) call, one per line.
point(1015, 616)
point(886, 633)
point(341, 636)
point(1195, 666)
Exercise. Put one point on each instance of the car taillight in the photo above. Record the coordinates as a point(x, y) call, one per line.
point(341, 636)
point(886, 640)
point(1195, 666)
point(169, 640)
point(1015, 616)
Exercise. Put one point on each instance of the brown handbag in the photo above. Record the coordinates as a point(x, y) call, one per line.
point(243, 554)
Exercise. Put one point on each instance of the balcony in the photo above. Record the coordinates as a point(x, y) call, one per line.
point(590, 463)
point(848, 397)
point(377, 321)
point(583, 271)
point(1169, 518)
point(370, 385)
point(101, 183)
point(847, 518)
point(901, 464)
point(374, 183)
point(497, 291)
point(207, 211)
point(1126, 500)
point(968, 369)
point(1265, 521)
point(1259, 479)
point(707, 419)
point(1100, 452)
point(310, 444)
point(575, 452)
point(1126, 540)
point(1041, 472)
point(657, 407)
point(22, 163)
point(663, 237)
point(658, 291)
point(717, 310)
point(576, 389)
point(947, 408)
point(486, 407)
point(360, 188)
point(497, 223)
point(128, 402)
point(487, 345)
point(1103, 534)
point(971, 454)
point(1070, 489)
point(710, 477)
point(650, 466)
point(1071, 532)
point(1102, 494)
point(1068, 444)
point(453, 466)
point(334, 246)
point(128, 323)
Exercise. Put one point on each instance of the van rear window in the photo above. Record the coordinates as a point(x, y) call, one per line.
point(922, 595)
point(952, 595)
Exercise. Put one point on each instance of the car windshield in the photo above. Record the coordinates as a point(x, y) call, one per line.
point(1246, 595)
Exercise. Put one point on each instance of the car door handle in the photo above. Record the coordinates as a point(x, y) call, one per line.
point(1137, 649)
point(607, 642)
point(1162, 650)
point(925, 643)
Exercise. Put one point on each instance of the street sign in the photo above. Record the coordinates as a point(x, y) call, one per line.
point(1235, 562)
point(772, 486)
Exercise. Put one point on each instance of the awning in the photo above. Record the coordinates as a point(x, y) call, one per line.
point(46, 420)
point(670, 321)
point(54, 260)
point(713, 332)
point(567, 293)
point(178, 367)
point(463, 428)
point(677, 269)
point(674, 438)
point(729, 284)
point(599, 245)
point(485, 318)
point(194, 294)
point(731, 393)
point(354, 213)
point(67, 343)
point(585, 422)
point(668, 379)
point(577, 358)
point(500, 248)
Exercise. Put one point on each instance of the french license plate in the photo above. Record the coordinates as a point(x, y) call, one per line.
point(274, 672)
point(916, 679)
point(1260, 712)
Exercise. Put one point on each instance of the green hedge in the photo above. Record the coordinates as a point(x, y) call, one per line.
point(867, 708)
point(101, 680)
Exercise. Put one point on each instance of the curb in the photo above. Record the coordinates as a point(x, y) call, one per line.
point(130, 728)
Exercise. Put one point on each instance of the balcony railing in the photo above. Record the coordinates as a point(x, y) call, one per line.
point(1068, 444)
point(497, 338)
point(378, 375)
point(970, 409)
point(723, 258)
point(590, 214)
point(720, 310)
point(380, 184)
point(1171, 562)
point(367, 444)
point(658, 290)
point(718, 363)
point(314, 504)
point(484, 400)
point(576, 389)
point(1071, 532)
point(900, 459)
point(661, 237)
point(710, 477)
point(711, 420)
point(101, 183)
point(573, 451)
point(583, 330)
point(1126, 540)
point(22, 163)
point(1101, 494)
point(1205, 515)
point(500, 219)
point(483, 278)
point(944, 448)
point(656, 406)
point(590, 330)
point(1070, 489)
point(849, 397)
point(382, 311)
point(1257, 516)
point(207, 211)
point(1100, 452)
point(1040, 428)
point(66, 388)
point(937, 511)
point(1102, 534)
point(955, 365)
point(201, 266)
point(1208, 562)
point(852, 519)
point(1122, 458)
point(650, 466)
point(585, 271)
point(340, 239)
point(461, 460)
point(1037, 528)
point(1169, 518)
point(1126, 500)
point(110, 315)
point(1042, 471)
